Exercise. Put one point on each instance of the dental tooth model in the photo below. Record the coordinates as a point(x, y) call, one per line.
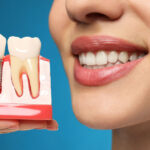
point(2, 51)
point(26, 87)
point(24, 59)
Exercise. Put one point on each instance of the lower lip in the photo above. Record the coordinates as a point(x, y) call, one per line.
point(98, 77)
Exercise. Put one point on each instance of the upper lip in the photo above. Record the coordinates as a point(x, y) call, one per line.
point(95, 43)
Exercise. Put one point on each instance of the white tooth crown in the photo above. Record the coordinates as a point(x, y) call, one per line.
point(90, 58)
point(24, 48)
point(82, 59)
point(112, 57)
point(2, 46)
point(101, 58)
point(123, 57)
point(133, 57)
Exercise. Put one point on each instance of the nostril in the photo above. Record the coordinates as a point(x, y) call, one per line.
point(97, 16)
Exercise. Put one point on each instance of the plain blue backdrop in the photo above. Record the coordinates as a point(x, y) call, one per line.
point(30, 18)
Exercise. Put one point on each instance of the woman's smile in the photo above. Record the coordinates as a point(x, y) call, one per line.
point(103, 59)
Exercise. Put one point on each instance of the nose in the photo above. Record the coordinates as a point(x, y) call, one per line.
point(85, 11)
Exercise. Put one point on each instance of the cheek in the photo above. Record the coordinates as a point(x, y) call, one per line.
point(142, 8)
point(58, 20)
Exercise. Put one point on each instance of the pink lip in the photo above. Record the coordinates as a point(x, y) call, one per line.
point(95, 77)
point(95, 43)
point(98, 77)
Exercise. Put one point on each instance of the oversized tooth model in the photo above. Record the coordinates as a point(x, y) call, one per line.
point(24, 55)
point(2, 51)
point(26, 92)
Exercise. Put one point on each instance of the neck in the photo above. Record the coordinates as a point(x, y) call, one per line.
point(132, 138)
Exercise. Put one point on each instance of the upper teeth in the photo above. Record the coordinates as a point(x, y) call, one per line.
point(2, 46)
point(24, 54)
point(103, 57)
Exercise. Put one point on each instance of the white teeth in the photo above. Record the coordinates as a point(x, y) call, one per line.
point(90, 58)
point(24, 58)
point(123, 57)
point(133, 57)
point(106, 59)
point(2, 46)
point(109, 65)
point(118, 62)
point(82, 59)
point(141, 55)
point(112, 57)
point(101, 58)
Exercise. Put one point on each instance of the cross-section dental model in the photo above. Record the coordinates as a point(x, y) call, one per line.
point(26, 86)
point(24, 59)
point(2, 51)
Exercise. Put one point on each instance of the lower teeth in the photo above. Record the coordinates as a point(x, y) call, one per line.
point(100, 66)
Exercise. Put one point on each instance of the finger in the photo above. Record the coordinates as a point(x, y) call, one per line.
point(5, 124)
point(7, 131)
point(32, 124)
point(52, 125)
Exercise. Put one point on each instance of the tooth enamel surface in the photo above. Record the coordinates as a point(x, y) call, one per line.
point(101, 58)
point(112, 57)
point(82, 58)
point(123, 57)
point(2, 46)
point(109, 65)
point(24, 48)
point(133, 57)
point(90, 58)
point(118, 62)
point(24, 54)
point(141, 55)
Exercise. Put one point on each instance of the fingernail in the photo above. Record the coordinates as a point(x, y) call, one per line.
point(13, 127)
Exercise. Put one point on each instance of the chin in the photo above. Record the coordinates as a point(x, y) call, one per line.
point(100, 118)
point(97, 109)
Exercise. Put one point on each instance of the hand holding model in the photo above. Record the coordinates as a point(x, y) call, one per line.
point(22, 107)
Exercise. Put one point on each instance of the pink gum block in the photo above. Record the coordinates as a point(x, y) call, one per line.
point(25, 107)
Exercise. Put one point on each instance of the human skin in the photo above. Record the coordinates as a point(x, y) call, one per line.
point(122, 105)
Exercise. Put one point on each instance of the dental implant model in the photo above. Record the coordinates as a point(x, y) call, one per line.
point(25, 80)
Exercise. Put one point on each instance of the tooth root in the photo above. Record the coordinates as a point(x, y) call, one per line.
point(16, 67)
point(32, 66)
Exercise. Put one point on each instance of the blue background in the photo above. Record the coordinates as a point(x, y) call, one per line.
point(30, 18)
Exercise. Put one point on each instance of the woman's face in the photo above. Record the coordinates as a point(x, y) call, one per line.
point(110, 83)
